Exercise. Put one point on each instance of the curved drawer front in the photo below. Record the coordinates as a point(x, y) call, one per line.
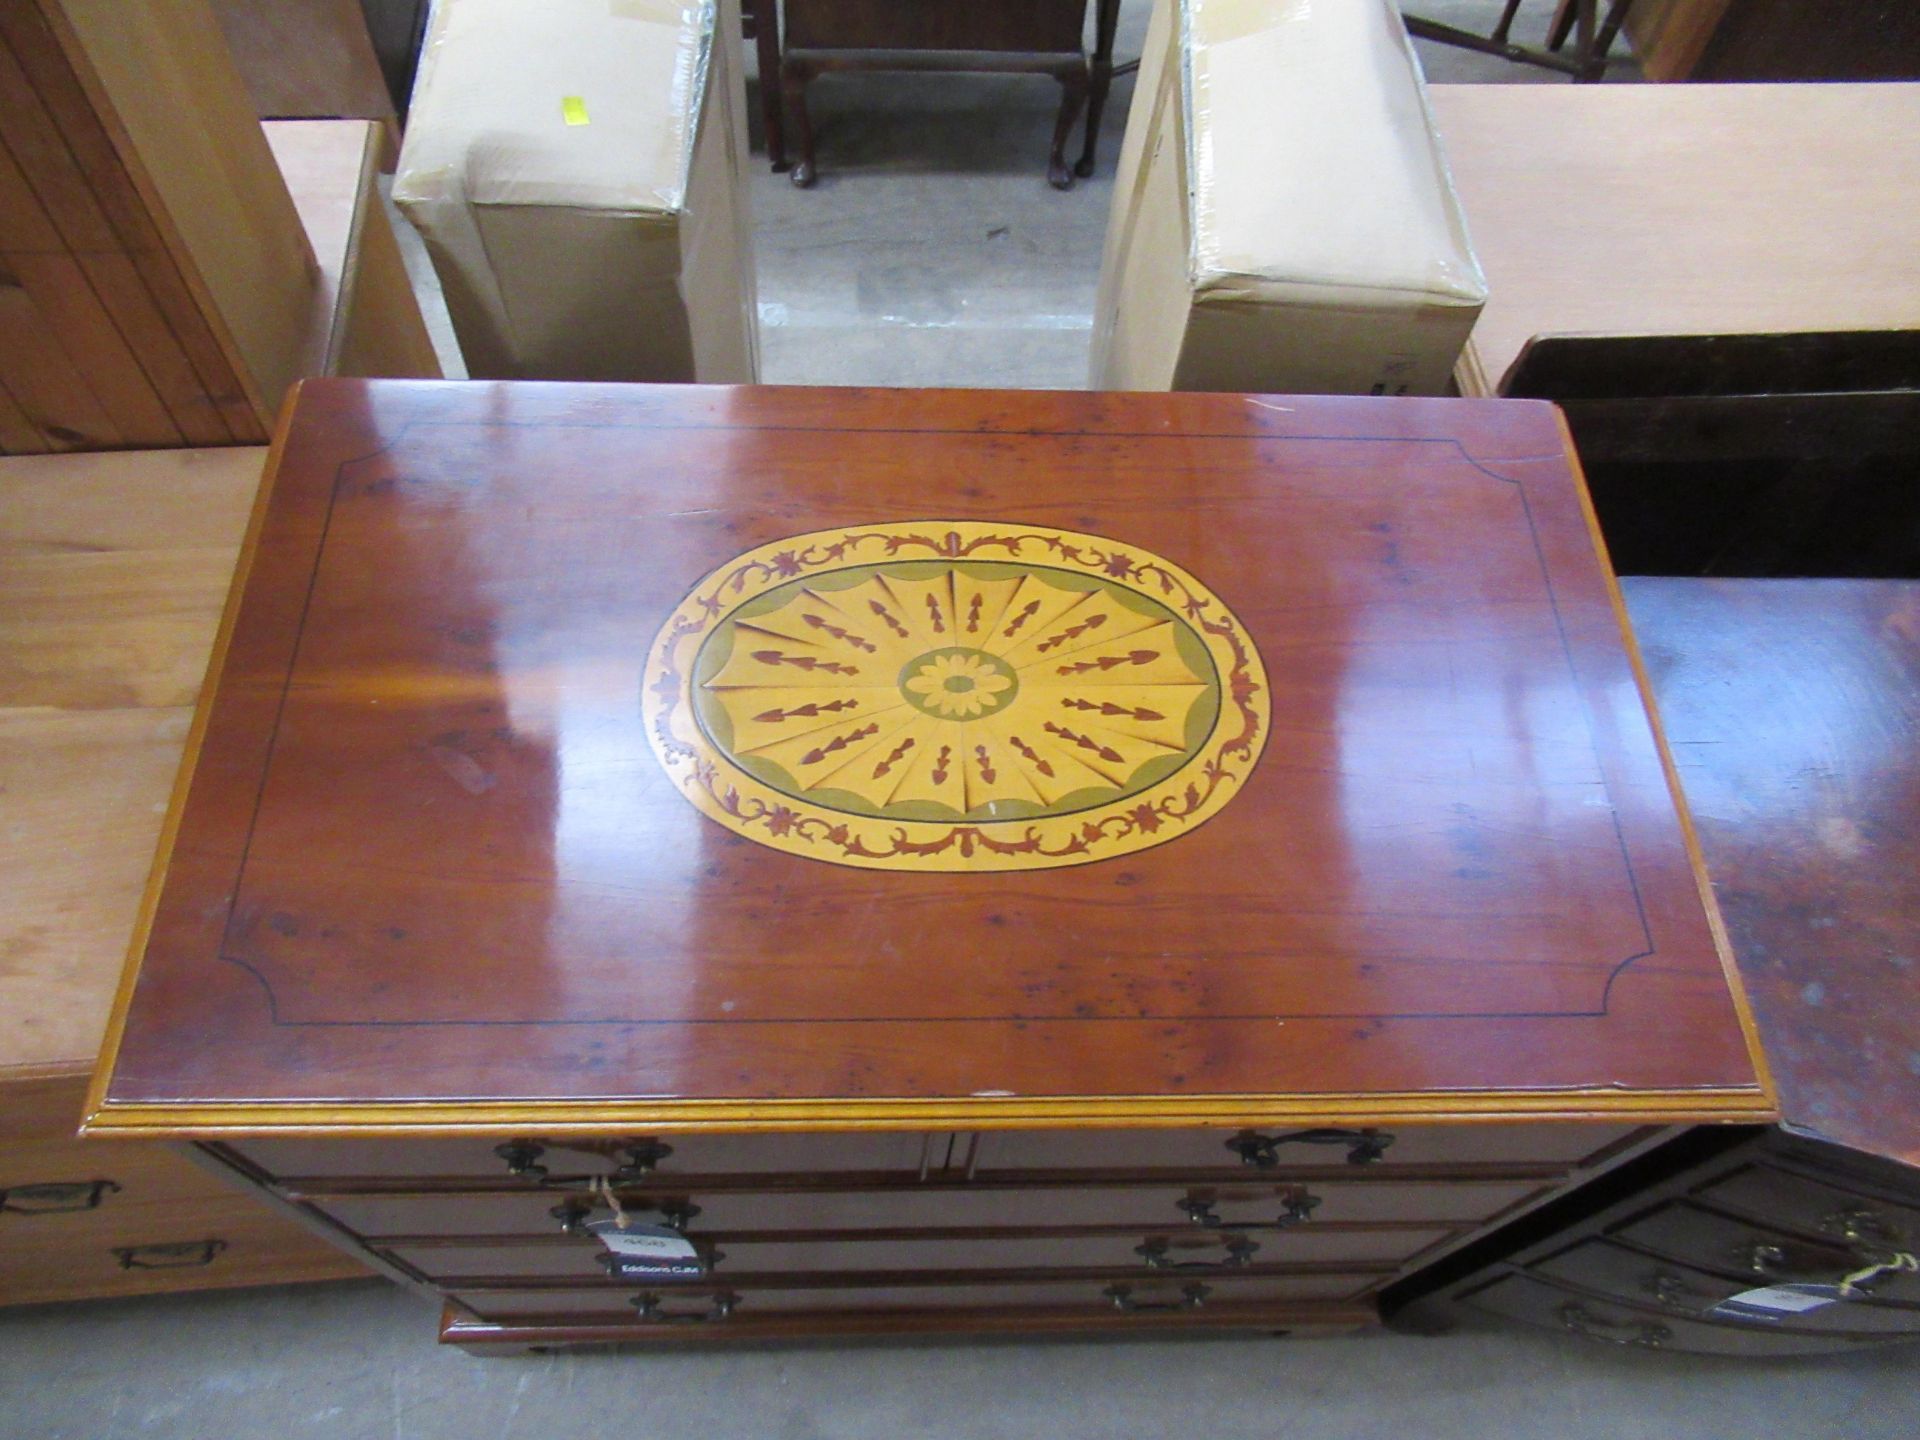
point(1143, 1297)
point(1757, 1253)
point(1144, 1208)
point(1682, 1290)
point(1177, 1251)
point(1521, 1297)
point(1810, 1208)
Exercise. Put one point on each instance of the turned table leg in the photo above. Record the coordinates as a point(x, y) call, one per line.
point(1073, 94)
point(1106, 22)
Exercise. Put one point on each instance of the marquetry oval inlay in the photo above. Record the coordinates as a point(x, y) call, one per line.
point(955, 696)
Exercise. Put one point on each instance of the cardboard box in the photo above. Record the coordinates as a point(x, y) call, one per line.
point(577, 168)
point(1282, 220)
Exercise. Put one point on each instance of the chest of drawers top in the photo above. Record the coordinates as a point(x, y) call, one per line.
point(597, 759)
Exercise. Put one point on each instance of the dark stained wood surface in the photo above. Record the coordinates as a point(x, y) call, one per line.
point(428, 854)
point(1793, 711)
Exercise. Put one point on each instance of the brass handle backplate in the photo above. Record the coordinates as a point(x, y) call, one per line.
point(184, 1255)
point(651, 1308)
point(60, 1197)
point(1297, 1205)
point(523, 1157)
point(1192, 1297)
point(1156, 1251)
point(1364, 1147)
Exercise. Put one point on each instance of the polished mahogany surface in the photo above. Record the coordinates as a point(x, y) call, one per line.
point(1793, 711)
point(428, 853)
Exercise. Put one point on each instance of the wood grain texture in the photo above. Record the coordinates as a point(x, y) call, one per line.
point(1456, 885)
point(1793, 709)
point(1708, 209)
point(112, 571)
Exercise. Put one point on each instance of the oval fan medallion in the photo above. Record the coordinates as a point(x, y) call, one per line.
point(944, 696)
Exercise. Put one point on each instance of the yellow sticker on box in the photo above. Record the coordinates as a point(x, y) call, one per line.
point(573, 110)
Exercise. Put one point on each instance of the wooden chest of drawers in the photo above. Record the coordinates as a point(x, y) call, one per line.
point(845, 1232)
point(1222, 862)
point(1799, 1238)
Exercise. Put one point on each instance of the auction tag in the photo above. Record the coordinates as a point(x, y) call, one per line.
point(1773, 1302)
point(648, 1250)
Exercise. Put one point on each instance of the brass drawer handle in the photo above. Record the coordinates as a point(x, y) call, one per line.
point(1582, 1321)
point(652, 1310)
point(574, 1214)
point(1299, 1207)
point(1364, 1147)
point(1156, 1253)
point(1192, 1297)
point(182, 1256)
point(61, 1197)
point(523, 1158)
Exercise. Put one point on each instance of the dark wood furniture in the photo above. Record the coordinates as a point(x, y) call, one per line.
point(1038, 37)
point(1794, 716)
point(1776, 40)
point(1592, 30)
point(936, 860)
point(1743, 454)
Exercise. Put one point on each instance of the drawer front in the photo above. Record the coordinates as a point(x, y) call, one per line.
point(1280, 1147)
point(1814, 1209)
point(86, 1221)
point(1182, 1250)
point(1642, 1280)
point(538, 1159)
point(1521, 1297)
point(1146, 1297)
point(1739, 1247)
point(1145, 1208)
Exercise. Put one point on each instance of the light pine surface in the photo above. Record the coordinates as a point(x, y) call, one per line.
point(113, 569)
point(1701, 209)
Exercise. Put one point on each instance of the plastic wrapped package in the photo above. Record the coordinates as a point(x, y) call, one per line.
point(1283, 219)
point(578, 171)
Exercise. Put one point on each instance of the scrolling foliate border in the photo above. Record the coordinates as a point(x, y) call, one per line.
point(747, 806)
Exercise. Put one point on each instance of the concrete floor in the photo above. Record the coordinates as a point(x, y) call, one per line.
point(932, 252)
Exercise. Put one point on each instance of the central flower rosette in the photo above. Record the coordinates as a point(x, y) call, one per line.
point(958, 683)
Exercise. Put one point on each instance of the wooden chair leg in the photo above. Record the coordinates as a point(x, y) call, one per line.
point(793, 81)
point(1073, 94)
point(1106, 21)
point(766, 40)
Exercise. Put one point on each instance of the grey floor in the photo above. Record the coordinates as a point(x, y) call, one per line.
point(932, 252)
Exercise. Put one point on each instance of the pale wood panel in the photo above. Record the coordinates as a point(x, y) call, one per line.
point(113, 569)
point(1686, 209)
point(160, 75)
point(365, 303)
point(156, 1198)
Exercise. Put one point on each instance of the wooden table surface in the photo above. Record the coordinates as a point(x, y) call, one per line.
point(112, 570)
point(1684, 209)
point(478, 826)
point(1793, 710)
